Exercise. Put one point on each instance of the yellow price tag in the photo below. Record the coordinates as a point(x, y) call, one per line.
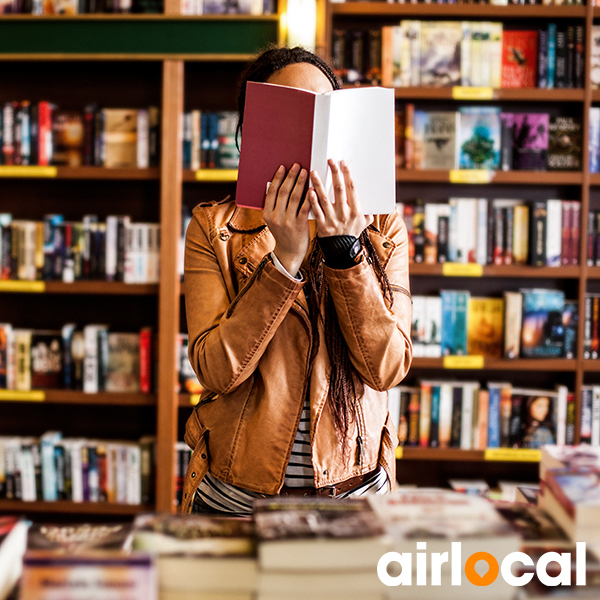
point(216, 175)
point(399, 452)
point(470, 361)
point(27, 171)
point(472, 93)
point(22, 286)
point(470, 176)
point(452, 269)
point(19, 396)
point(513, 454)
point(194, 399)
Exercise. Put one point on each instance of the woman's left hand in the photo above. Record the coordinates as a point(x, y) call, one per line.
point(343, 216)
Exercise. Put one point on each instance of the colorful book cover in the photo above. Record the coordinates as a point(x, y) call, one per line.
point(542, 333)
point(454, 321)
point(570, 325)
point(479, 137)
point(440, 53)
point(533, 418)
point(530, 141)
point(519, 58)
point(433, 326)
point(595, 57)
point(439, 140)
point(565, 144)
point(485, 332)
point(67, 138)
point(513, 314)
point(46, 359)
point(123, 371)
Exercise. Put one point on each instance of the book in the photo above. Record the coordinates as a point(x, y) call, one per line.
point(572, 498)
point(479, 137)
point(300, 126)
point(542, 334)
point(439, 139)
point(123, 368)
point(530, 141)
point(565, 144)
point(193, 534)
point(121, 577)
point(46, 359)
point(454, 321)
point(81, 538)
point(440, 53)
point(572, 457)
point(519, 58)
point(198, 552)
point(318, 534)
point(485, 326)
point(595, 57)
point(533, 418)
point(120, 137)
point(67, 138)
point(13, 539)
point(440, 517)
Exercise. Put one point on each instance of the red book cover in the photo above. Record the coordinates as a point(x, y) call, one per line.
point(45, 133)
point(567, 242)
point(146, 360)
point(575, 230)
point(519, 58)
point(284, 125)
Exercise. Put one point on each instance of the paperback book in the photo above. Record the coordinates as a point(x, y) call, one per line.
point(542, 333)
point(530, 141)
point(479, 137)
point(440, 53)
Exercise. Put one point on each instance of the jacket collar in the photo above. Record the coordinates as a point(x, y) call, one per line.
point(246, 219)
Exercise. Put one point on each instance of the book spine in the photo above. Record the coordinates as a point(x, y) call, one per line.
point(551, 55)
point(538, 233)
point(425, 415)
point(585, 428)
point(594, 139)
point(493, 435)
point(575, 219)
point(542, 67)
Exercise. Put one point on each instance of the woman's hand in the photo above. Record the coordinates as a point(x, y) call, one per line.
point(286, 215)
point(344, 216)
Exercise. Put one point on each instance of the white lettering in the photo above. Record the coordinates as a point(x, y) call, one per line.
point(404, 560)
point(506, 568)
point(563, 559)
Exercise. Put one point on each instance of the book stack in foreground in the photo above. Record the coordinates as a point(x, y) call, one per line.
point(199, 557)
point(318, 548)
point(570, 489)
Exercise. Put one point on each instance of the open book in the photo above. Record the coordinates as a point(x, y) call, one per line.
point(283, 125)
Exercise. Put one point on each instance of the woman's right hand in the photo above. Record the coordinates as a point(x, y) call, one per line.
point(286, 215)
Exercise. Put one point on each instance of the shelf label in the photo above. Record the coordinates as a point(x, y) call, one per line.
point(470, 175)
point(472, 93)
point(22, 286)
point(19, 396)
point(513, 454)
point(27, 171)
point(470, 361)
point(399, 452)
point(194, 399)
point(452, 269)
point(216, 175)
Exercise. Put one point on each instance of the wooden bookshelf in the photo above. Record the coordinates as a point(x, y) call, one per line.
point(437, 185)
point(129, 61)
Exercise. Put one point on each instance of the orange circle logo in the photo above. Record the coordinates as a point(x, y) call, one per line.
point(474, 577)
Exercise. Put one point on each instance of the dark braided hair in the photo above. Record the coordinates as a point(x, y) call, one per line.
point(345, 385)
point(270, 61)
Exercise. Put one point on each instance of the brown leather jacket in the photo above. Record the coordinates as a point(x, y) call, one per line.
point(250, 339)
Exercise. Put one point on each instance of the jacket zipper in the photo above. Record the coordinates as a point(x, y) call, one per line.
point(399, 288)
point(250, 281)
point(360, 443)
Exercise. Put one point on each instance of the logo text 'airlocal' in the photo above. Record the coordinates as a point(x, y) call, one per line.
point(405, 560)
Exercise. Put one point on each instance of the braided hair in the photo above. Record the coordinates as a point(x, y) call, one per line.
point(345, 385)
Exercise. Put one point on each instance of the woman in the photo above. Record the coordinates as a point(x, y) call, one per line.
point(297, 329)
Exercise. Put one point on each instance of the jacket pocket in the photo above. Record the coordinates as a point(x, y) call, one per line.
point(195, 430)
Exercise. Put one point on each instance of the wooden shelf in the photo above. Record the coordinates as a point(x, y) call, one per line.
point(503, 94)
point(79, 397)
point(80, 287)
point(519, 177)
point(68, 507)
point(574, 272)
point(559, 365)
point(480, 11)
point(456, 454)
point(210, 175)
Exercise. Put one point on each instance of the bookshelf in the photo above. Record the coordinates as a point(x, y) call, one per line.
point(433, 466)
point(168, 60)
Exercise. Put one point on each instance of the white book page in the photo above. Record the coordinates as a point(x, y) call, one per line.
point(361, 132)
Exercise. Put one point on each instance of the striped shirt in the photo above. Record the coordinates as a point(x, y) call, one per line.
point(299, 473)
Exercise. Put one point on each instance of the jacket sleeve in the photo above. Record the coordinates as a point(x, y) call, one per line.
point(228, 333)
point(377, 334)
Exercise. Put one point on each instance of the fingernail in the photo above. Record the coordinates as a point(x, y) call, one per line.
point(281, 169)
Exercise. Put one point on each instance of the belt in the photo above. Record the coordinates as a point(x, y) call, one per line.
point(329, 490)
